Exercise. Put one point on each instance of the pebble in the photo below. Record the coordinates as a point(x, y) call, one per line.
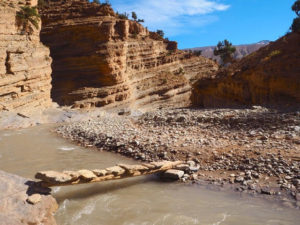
point(263, 137)
point(34, 199)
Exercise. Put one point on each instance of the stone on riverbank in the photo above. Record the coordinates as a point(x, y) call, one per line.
point(15, 209)
point(173, 174)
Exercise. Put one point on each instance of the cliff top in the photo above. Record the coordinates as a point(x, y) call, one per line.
point(285, 50)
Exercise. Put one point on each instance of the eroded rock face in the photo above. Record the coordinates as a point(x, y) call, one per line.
point(25, 64)
point(100, 59)
point(18, 206)
point(270, 76)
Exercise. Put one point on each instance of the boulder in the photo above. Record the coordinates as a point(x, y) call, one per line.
point(133, 168)
point(21, 205)
point(99, 173)
point(86, 174)
point(54, 177)
point(115, 170)
point(173, 174)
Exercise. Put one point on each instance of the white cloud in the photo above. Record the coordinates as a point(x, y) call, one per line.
point(173, 16)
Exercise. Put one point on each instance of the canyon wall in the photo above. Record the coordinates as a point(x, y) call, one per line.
point(270, 77)
point(25, 64)
point(100, 59)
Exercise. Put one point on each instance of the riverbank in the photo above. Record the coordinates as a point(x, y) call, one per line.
point(139, 200)
point(251, 150)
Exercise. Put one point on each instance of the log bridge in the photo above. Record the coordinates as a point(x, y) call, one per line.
point(121, 171)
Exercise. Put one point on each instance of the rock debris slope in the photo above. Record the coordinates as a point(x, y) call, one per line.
point(100, 59)
point(25, 71)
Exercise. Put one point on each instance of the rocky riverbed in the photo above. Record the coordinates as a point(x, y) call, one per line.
point(253, 150)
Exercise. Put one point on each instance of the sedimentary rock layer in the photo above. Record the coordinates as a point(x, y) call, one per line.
point(270, 76)
point(25, 71)
point(101, 59)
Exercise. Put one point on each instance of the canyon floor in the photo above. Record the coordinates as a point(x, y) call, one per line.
point(253, 150)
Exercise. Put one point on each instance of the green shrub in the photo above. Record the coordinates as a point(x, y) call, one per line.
point(107, 3)
point(123, 16)
point(274, 53)
point(225, 50)
point(134, 35)
point(26, 17)
point(296, 7)
point(134, 16)
point(160, 33)
point(197, 52)
point(296, 22)
point(296, 25)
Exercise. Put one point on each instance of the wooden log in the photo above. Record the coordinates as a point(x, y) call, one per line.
point(121, 171)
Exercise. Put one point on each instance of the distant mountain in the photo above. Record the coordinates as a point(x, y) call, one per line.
point(241, 50)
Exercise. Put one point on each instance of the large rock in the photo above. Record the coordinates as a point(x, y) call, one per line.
point(19, 205)
point(270, 76)
point(173, 174)
point(56, 177)
point(25, 64)
point(102, 60)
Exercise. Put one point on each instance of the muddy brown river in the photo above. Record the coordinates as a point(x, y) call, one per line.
point(135, 201)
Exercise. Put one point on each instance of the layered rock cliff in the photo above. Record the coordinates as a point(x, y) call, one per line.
point(25, 64)
point(100, 59)
point(270, 76)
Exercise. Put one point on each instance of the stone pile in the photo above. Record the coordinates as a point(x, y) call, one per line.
point(53, 178)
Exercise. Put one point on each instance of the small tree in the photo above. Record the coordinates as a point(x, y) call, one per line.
point(140, 21)
point(225, 50)
point(107, 2)
point(296, 7)
point(26, 17)
point(134, 16)
point(97, 1)
point(160, 33)
point(296, 23)
point(122, 15)
point(198, 52)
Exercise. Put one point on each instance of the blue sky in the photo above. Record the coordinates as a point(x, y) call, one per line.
point(195, 23)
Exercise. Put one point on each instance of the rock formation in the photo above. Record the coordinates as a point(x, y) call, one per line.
point(25, 71)
point(121, 171)
point(20, 206)
point(101, 59)
point(270, 76)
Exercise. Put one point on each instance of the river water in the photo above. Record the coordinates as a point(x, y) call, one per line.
point(135, 201)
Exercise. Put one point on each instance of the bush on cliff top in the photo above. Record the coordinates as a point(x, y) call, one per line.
point(296, 23)
point(28, 17)
point(225, 50)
